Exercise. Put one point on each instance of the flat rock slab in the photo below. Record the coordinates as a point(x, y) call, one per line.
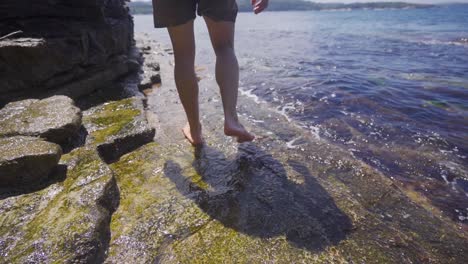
point(180, 206)
point(55, 119)
point(26, 160)
point(66, 222)
point(117, 127)
point(171, 212)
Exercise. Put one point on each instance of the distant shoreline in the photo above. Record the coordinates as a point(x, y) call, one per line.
point(137, 8)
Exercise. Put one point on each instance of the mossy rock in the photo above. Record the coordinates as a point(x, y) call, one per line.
point(66, 222)
point(25, 161)
point(55, 119)
point(117, 127)
point(180, 206)
point(152, 212)
point(173, 210)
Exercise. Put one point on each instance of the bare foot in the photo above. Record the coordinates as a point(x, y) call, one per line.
point(195, 138)
point(235, 129)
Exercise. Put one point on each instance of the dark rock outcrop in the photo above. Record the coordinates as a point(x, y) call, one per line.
point(65, 47)
point(55, 119)
point(26, 160)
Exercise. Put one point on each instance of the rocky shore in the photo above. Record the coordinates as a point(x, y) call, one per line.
point(70, 106)
point(102, 174)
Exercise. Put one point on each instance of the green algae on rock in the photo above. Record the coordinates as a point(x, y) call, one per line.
point(55, 119)
point(152, 212)
point(26, 160)
point(169, 213)
point(67, 222)
point(117, 127)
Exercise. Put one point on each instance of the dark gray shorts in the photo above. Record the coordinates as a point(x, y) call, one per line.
point(168, 13)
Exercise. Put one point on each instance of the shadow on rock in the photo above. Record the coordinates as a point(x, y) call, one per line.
point(59, 174)
point(77, 141)
point(112, 92)
point(253, 195)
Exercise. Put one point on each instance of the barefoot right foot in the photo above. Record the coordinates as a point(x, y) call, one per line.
point(235, 129)
point(195, 138)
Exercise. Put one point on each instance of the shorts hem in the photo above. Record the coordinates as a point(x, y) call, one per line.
point(227, 16)
point(172, 24)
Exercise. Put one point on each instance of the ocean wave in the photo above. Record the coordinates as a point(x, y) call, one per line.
point(455, 42)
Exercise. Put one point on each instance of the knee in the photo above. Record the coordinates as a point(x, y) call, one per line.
point(224, 49)
point(184, 66)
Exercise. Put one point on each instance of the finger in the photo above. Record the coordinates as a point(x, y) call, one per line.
point(260, 6)
point(253, 2)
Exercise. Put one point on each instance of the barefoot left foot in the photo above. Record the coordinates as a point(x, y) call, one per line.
point(236, 129)
point(194, 137)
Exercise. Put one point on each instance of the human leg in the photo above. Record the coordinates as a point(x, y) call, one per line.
point(183, 44)
point(227, 75)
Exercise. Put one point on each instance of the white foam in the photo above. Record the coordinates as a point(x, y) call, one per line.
point(315, 131)
point(257, 121)
point(249, 94)
point(290, 144)
point(282, 110)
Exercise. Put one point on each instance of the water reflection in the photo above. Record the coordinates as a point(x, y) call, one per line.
point(252, 194)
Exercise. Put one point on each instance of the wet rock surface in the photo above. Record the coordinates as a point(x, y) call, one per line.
point(55, 119)
point(26, 160)
point(203, 206)
point(289, 197)
point(66, 222)
point(117, 127)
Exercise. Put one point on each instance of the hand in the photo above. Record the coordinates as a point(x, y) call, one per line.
point(259, 5)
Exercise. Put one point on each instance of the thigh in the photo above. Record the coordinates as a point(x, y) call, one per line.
point(218, 10)
point(221, 33)
point(168, 13)
point(183, 43)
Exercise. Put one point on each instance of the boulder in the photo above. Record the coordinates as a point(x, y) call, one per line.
point(67, 222)
point(26, 160)
point(55, 119)
point(117, 127)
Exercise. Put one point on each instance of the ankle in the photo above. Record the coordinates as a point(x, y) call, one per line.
point(195, 127)
point(231, 119)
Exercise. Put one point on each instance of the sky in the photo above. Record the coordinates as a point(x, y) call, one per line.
point(354, 1)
